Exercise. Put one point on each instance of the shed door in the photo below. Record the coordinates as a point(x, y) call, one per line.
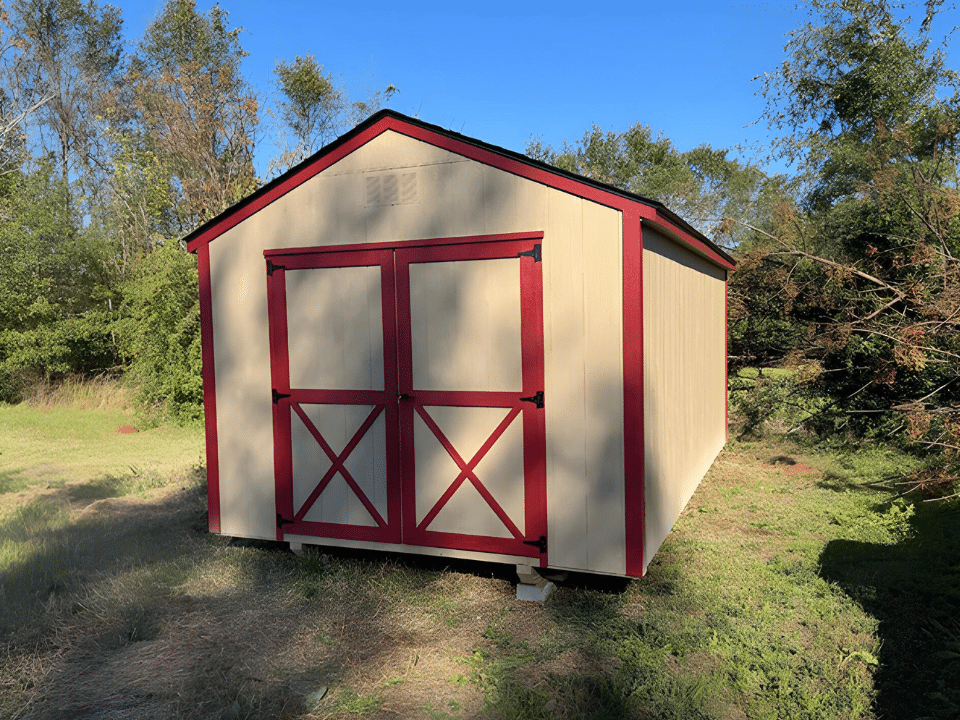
point(470, 337)
point(414, 395)
point(333, 366)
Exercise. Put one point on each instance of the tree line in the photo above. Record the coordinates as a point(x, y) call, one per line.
point(108, 156)
point(847, 267)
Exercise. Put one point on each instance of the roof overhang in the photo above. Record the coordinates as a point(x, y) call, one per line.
point(651, 212)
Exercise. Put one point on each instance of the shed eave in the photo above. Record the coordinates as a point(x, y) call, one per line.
point(698, 245)
point(472, 148)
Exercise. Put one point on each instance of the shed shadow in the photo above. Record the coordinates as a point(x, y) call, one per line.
point(912, 588)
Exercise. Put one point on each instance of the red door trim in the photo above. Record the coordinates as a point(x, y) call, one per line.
point(394, 260)
point(534, 426)
point(429, 242)
point(337, 464)
point(384, 401)
point(280, 380)
point(466, 471)
point(534, 419)
point(469, 398)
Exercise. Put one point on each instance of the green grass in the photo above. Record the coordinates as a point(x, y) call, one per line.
point(67, 443)
point(350, 703)
point(778, 595)
point(753, 373)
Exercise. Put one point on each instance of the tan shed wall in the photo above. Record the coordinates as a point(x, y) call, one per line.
point(684, 379)
point(397, 188)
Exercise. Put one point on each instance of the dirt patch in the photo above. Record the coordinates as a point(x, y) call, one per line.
point(800, 469)
point(791, 466)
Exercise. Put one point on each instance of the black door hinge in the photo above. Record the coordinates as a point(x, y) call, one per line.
point(278, 396)
point(534, 253)
point(536, 399)
point(271, 267)
point(281, 521)
point(540, 544)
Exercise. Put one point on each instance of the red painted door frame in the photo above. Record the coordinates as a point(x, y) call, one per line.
point(288, 401)
point(529, 414)
point(400, 401)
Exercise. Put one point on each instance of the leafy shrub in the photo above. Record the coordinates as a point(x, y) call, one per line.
point(75, 345)
point(160, 332)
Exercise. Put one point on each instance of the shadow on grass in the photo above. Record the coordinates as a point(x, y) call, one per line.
point(95, 620)
point(13, 480)
point(49, 552)
point(841, 482)
point(636, 663)
point(912, 588)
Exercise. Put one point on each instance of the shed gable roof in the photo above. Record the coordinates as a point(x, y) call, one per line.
point(649, 211)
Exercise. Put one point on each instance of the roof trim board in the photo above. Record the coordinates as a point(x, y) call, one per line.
point(650, 211)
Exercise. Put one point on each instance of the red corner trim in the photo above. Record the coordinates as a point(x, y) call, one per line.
point(209, 387)
point(633, 456)
point(726, 362)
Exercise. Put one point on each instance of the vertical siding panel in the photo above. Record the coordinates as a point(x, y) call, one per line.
point(684, 379)
point(513, 202)
point(244, 409)
point(603, 385)
point(564, 366)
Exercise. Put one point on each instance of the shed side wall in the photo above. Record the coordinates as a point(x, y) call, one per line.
point(684, 344)
point(453, 197)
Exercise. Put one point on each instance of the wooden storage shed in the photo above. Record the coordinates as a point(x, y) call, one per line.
point(419, 342)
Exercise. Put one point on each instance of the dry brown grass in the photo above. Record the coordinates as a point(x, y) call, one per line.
point(122, 605)
point(103, 392)
point(157, 619)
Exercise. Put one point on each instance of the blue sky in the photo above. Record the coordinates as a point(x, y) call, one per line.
point(504, 72)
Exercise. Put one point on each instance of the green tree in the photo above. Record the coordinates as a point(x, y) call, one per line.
point(160, 332)
point(196, 112)
point(871, 110)
point(140, 212)
point(315, 108)
point(55, 309)
point(714, 193)
point(68, 53)
point(854, 76)
point(18, 100)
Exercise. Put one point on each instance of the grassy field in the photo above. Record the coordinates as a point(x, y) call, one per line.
point(793, 586)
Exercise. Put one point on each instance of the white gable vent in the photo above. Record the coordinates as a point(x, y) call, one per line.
point(393, 189)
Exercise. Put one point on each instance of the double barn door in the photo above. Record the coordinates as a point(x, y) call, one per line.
point(408, 394)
